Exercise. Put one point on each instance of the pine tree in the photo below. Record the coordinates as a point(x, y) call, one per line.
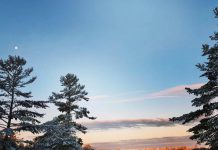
point(206, 99)
point(16, 107)
point(60, 133)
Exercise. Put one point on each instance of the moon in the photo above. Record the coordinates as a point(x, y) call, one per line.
point(16, 47)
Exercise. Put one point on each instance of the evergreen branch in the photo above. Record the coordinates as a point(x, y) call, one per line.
point(3, 120)
point(26, 113)
point(35, 129)
point(23, 94)
point(31, 103)
point(204, 99)
point(79, 127)
point(186, 118)
point(23, 84)
point(55, 96)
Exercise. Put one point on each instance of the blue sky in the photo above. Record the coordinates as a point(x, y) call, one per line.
point(119, 49)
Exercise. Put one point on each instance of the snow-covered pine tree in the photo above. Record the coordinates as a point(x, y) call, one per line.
point(60, 133)
point(16, 112)
point(206, 99)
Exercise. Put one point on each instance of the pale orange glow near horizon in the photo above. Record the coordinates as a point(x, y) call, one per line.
point(114, 135)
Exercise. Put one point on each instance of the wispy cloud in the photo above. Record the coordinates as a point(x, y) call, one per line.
point(176, 91)
point(173, 92)
point(99, 97)
point(128, 123)
point(117, 95)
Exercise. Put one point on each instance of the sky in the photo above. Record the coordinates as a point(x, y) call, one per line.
point(134, 57)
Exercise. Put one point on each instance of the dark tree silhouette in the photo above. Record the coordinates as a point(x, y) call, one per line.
point(60, 133)
point(206, 99)
point(16, 107)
